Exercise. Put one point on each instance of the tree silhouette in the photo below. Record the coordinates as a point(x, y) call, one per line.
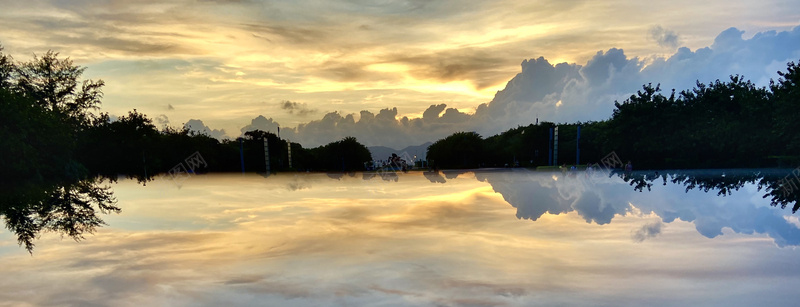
point(44, 186)
point(779, 185)
point(459, 150)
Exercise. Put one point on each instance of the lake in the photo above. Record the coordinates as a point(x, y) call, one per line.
point(510, 237)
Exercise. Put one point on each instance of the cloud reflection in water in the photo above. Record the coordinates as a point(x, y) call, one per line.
point(424, 239)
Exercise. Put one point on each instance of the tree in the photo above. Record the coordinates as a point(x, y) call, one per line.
point(54, 84)
point(786, 91)
point(43, 186)
point(116, 147)
point(254, 150)
point(344, 155)
point(6, 69)
point(720, 124)
point(459, 150)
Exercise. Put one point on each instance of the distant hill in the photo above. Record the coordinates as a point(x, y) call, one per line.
point(383, 152)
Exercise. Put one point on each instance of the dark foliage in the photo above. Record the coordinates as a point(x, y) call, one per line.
point(460, 150)
point(344, 155)
point(44, 111)
point(56, 152)
point(779, 185)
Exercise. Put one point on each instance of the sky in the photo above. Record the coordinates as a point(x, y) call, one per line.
point(396, 73)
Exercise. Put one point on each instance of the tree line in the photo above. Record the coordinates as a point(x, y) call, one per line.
point(57, 151)
point(780, 188)
point(723, 124)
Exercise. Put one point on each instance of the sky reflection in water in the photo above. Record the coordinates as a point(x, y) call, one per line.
point(491, 238)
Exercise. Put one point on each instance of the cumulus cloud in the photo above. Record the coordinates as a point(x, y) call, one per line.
point(664, 37)
point(556, 92)
point(196, 125)
point(261, 123)
point(384, 128)
point(561, 92)
point(417, 53)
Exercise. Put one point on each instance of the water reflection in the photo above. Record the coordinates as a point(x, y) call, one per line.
point(598, 197)
point(434, 177)
point(707, 199)
point(68, 208)
point(724, 182)
point(449, 238)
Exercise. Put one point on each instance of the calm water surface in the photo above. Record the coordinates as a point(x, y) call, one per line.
point(485, 238)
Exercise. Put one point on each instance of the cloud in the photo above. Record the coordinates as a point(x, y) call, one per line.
point(384, 128)
point(197, 126)
point(571, 92)
point(261, 123)
point(599, 199)
point(290, 34)
point(161, 120)
point(89, 28)
point(478, 66)
point(416, 53)
point(555, 92)
point(649, 230)
point(532, 198)
point(297, 108)
point(434, 177)
point(346, 72)
point(126, 45)
point(664, 37)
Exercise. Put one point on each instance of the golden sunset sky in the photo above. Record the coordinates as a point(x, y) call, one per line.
point(227, 62)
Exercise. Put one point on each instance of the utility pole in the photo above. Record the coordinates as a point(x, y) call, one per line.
point(578, 147)
point(555, 147)
point(266, 154)
point(290, 154)
point(550, 148)
point(241, 153)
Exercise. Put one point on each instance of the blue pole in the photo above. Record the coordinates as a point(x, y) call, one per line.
point(578, 147)
point(550, 149)
point(241, 153)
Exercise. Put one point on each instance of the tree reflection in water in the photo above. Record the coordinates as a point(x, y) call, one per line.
point(773, 181)
point(73, 208)
point(70, 209)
